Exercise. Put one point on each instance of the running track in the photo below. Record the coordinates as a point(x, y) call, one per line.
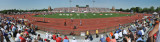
point(57, 25)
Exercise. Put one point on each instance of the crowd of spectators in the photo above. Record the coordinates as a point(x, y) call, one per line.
point(137, 31)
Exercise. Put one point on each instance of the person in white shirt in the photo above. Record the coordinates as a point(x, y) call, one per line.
point(47, 35)
point(18, 35)
point(116, 35)
point(124, 32)
point(74, 40)
point(50, 36)
point(142, 32)
point(120, 34)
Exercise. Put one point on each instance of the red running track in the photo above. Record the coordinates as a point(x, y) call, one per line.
point(87, 24)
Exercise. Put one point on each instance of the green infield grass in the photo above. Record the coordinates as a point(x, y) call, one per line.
point(82, 15)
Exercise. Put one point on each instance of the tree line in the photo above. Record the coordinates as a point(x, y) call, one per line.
point(10, 11)
point(140, 10)
point(133, 9)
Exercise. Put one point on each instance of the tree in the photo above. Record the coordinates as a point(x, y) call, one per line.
point(133, 9)
point(157, 9)
point(138, 9)
point(120, 9)
point(151, 9)
point(145, 10)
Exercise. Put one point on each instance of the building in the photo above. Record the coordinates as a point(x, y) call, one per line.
point(81, 9)
point(113, 8)
point(49, 8)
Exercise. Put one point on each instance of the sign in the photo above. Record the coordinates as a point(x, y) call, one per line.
point(82, 33)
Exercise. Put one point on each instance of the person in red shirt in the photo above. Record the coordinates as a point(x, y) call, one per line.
point(22, 39)
point(65, 37)
point(108, 39)
point(26, 32)
point(12, 26)
point(54, 37)
point(59, 39)
point(111, 33)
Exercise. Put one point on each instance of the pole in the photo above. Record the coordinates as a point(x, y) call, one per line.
point(70, 5)
point(93, 5)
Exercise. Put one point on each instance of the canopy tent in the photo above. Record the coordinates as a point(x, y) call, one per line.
point(155, 13)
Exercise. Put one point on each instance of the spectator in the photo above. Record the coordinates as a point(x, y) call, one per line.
point(111, 33)
point(54, 37)
point(39, 38)
point(116, 35)
point(90, 37)
point(120, 33)
point(108, 38)
point(139, 38)
point(58, 39)
point(22, 39)
point(18, 34)
point(66, 37)
point(6, 36)
point(28, 39)
point(113, 39)
point(97, 35)
point(156, 29)
point(128, 38)
point(102, 39)
point(124, 32)
point(47, 35)
point(1, 36)
point(65, 40)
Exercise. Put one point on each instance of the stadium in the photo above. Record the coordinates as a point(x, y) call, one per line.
point(81, 9)
point(99, 22)
point(77, 23)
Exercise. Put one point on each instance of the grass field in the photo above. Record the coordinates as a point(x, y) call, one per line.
point(82, 15)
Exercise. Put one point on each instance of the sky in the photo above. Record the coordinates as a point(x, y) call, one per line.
point(41, 4)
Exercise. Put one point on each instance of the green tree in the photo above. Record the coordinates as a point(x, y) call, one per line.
point(133, 9)
point(151, 9)
point(146, 10)
point(120, 9)
point(157, 9)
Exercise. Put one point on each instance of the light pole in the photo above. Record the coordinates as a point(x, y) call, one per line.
point(93, 5)
point(70, 1)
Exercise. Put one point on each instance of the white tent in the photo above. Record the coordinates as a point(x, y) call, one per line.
point(155, 13)
point(73, 11)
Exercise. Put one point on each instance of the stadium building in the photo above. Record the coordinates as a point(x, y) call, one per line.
point(80, 9)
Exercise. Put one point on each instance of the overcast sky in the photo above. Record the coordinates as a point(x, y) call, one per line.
point(41, 4)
